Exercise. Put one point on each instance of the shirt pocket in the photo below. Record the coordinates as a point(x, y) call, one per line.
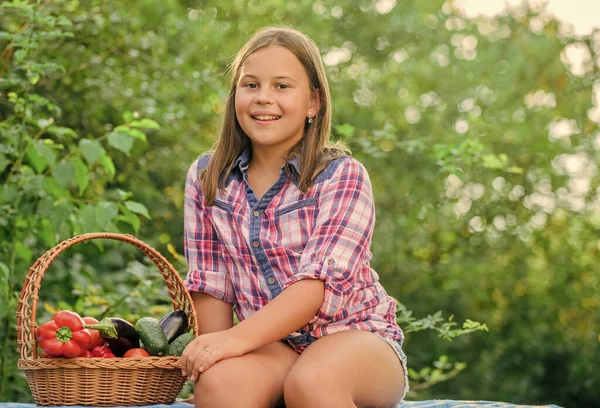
point(224, 206)
point(294, 224)
point(223, 219)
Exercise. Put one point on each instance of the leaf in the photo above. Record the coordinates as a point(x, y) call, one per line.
point(136, 133)
point(35, 159)
point(81, 174)
point(108, 165)
point(20, 55)
point(33, 77)
point(8, 193)
point(53, 189)
point(46, 233)
point(23, 251)
point(346, 130)
point(492, 161)
point(87, 218)
point(50, 308)
point(121, 141)
point(145, 123)
point(61, 131)
point(44, 123)
point(173, 251)
point(137, 208)
point(124, 195)
point(4, 162)
point(64, 173)
point(515, 170)
point(60, 214)
point(47, 152)
point(130, 218)
point(92, 150)
point(4, 280)
point(105, 213)
point(128, 117)
point(64, 22)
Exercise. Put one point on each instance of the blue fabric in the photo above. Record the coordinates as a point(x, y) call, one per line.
point(406, 404)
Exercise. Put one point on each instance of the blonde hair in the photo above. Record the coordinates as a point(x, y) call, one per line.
point(313, 152)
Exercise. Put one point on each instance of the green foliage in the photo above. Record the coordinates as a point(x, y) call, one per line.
point(481, 145)
point(56, 181)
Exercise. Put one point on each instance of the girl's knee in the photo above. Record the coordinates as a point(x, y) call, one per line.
point(210, 386)
point(226, 384)
point(307, 389)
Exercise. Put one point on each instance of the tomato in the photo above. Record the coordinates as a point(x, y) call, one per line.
point(136, 352)
point(103, 352)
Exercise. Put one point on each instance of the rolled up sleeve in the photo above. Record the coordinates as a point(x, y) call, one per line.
point(340, 243)
point(207, 270)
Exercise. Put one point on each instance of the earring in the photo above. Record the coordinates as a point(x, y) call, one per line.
point(310, 120)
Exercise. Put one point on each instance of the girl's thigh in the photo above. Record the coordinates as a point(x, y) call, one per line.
point(349, 368)
point(253, 380)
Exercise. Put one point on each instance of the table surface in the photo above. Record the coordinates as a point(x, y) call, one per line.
point(406, 404)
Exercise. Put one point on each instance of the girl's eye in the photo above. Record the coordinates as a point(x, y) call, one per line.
point(282, 86)
point(251, 85)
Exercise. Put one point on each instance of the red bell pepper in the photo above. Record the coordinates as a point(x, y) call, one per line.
point(86, 353)
point(103, 352)
point(64, 335)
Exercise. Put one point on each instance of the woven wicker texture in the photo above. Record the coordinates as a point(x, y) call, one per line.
point(99, 381)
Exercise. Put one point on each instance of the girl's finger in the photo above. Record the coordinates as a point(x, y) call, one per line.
point(186, 356)
point(195, 354)
point(204, 360)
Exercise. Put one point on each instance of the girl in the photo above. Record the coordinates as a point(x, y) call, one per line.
point(278, 224)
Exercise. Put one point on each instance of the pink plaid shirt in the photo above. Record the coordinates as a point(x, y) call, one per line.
point(246, 251)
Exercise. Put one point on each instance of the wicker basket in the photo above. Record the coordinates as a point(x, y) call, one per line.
point(99, 381)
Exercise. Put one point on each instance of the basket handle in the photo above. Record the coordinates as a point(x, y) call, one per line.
point(26, 313)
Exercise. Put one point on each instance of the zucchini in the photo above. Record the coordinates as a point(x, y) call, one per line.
point(152, 335)
point(174, 324)
point(179, 344)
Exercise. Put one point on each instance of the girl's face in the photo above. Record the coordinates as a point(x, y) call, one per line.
point(273, 99)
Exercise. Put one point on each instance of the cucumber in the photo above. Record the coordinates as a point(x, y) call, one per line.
point(179, 344)
point(152, 335)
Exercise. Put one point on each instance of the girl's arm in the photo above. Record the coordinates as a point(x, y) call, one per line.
point(212, 314)
point(291, 309)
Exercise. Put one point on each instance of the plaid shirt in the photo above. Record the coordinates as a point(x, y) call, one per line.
point(246, 251)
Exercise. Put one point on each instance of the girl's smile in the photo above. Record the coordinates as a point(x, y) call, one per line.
point(264, 118)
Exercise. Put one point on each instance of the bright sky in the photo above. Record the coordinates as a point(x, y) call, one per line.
point(583, 15)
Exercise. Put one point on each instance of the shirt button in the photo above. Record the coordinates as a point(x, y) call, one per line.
point(255, 244)
point(256, 213)
point(330, 261)
point(271, 280)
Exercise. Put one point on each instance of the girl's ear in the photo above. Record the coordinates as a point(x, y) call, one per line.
point(315, 102)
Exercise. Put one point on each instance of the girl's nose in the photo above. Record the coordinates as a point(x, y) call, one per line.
point(264, 95)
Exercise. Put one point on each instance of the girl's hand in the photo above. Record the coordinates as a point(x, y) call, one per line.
point(206, 350)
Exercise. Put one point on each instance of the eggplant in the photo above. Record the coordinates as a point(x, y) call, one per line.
point(174, 324)
point(120, 335)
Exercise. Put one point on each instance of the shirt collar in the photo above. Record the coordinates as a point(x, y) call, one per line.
point(243, 160)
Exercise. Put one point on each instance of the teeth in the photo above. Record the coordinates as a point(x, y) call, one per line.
point(266, 117)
